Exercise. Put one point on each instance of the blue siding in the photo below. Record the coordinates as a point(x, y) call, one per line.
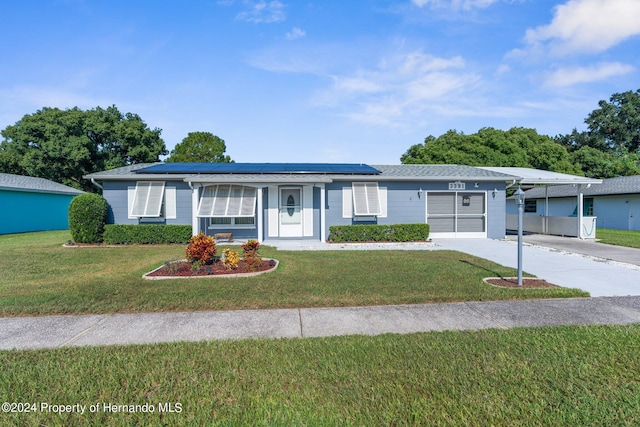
point(25, 211)
point(404, 206)
point(115, 192)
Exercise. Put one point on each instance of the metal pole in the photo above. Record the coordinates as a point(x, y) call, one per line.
point(520, 209)
point(520, 212)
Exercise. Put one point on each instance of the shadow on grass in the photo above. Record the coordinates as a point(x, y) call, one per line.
point(493, 273)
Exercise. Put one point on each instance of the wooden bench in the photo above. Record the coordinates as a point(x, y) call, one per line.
point(227, 236)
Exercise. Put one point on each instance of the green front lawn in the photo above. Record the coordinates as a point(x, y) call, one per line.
point(629, 238)
point(40, 277)
point(560, 376)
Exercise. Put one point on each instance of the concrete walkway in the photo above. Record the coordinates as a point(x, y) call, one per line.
point(145, 328)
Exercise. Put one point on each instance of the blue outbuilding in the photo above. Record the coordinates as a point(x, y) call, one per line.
point(33, 204)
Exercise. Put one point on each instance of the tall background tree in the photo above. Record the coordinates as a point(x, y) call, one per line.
point(520, 147)
point(609, 148)
point(611, 145)
point(64, 145)
point(200, 147)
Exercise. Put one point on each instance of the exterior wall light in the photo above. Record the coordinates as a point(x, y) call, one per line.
point(420, 193)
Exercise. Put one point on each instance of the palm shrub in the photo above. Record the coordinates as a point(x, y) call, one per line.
point(87, 218)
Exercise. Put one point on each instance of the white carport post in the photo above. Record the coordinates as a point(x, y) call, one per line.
point(323, 220)
point(545, 229)
point(581, 189)
point(195, 223)
point(259, 214)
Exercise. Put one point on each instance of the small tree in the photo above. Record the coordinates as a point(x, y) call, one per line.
point(87, 217)
point(200, 147)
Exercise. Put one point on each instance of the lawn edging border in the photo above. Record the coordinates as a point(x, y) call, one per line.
point(210, 276)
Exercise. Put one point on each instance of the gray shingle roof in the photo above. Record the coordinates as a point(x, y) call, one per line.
point(125, 172)
point(392, 172)
point(441, 172)
point(620, 185)
point(28, 183)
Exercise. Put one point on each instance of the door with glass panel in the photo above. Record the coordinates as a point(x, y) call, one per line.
point(290, 215)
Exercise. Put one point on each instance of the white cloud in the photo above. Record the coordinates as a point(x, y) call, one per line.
point(295, 33)
point(589, 26)
point(263, 12)
point(575, 75)
point(401, 89)
point(455, 4)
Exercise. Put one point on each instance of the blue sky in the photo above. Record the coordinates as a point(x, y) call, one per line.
point(321, 80)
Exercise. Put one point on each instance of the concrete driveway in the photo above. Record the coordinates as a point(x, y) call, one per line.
point(561, 262)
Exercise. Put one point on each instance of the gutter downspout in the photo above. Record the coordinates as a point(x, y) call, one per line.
point(93, 181)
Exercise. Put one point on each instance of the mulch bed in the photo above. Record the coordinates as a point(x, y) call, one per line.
point(183, 269)
point(527, 282)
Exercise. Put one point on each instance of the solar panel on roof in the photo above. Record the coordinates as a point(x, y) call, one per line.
point(260, 168)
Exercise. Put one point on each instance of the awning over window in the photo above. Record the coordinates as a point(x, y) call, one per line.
point(147, 199)
point(227, 201)
point(366, 199)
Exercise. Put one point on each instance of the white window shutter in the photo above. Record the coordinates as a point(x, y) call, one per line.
point(205, 208)
point(221, 201)
point(383, 202)
point(147, 199)
point(373, 198)
point(170, 205)
point(347, 202)
point(154, 201)
point(366, 199)
point(131, 194)
point(248, 206)
point(360, 199)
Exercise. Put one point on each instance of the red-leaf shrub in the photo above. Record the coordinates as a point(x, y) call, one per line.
point(251, 248)
point(201, 248)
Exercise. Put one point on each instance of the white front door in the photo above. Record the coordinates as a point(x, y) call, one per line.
point(291, 212)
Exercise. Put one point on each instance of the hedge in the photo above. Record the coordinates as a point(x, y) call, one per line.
point(127, 234)
point(378, 233)
point(87, 217)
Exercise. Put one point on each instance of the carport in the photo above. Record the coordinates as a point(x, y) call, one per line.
point(581, 226)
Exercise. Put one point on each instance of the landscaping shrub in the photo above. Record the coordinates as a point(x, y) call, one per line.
point(201, 249)
point(250, 252)
point(231, 259)
point(378, 233)
point(129, 234)
point(251, 248)
point(87, 218)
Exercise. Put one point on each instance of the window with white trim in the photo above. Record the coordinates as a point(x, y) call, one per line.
point(364, 199)
point(228, 205)
point(151, 199)
point(147, 200)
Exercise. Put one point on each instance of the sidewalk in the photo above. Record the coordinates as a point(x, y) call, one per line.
point(145, 328)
